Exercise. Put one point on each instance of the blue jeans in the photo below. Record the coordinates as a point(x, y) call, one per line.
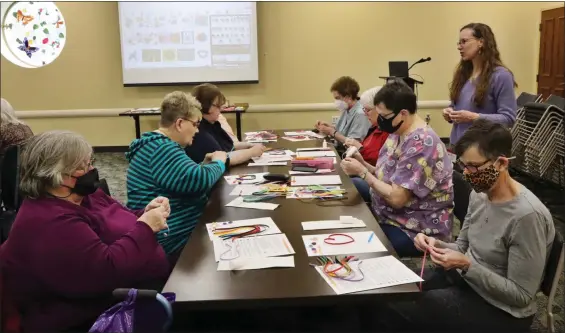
point(403, 245)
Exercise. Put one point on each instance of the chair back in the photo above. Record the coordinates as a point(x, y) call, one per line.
point(526, 98)
point(554, 266)
point(461, 192)
point(11, 178)
point(556, 100)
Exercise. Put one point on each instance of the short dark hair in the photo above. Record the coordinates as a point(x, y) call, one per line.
point(206, 94)
point(491, 139)
point(346, 86)
point(396, 96)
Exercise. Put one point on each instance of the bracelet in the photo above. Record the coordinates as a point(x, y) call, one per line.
point(364, 174)
point(334, 133)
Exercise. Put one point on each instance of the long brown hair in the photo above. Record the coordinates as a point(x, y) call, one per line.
point(490, 60)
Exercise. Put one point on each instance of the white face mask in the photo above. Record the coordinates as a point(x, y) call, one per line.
point(341, 105)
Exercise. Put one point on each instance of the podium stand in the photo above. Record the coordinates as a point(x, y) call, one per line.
point(412, 83)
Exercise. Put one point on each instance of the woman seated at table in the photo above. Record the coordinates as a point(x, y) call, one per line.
point(211, 136)
point(371, 145)
point(13, 131)
point(352, 122)
point(71, 245)
point(158, 166)
point(410, 188)
point(488, 279)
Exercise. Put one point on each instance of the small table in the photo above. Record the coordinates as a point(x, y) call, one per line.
point(136, 113)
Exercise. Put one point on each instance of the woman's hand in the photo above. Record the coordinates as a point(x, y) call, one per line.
point(321, 123)
point(352, 142)
point(156, 219)
point(463, 116)
point(447, 114)
point(423, 242)
point(449, 259)
point(352, 167)
point(158, 202)
point(326, 129)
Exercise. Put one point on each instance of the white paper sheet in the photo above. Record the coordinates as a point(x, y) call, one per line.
point(250, 189)
point(273, 229)
point(313, 149)
point(268, 163)
point(232, 180)
point(377, 273)
point(343, 223)
point(316, 153)
point(316, 244)
point(252, 247)
point(238, 202)
point(255, 263)
point(315, 180)
point(298, 138)
point(320, 171)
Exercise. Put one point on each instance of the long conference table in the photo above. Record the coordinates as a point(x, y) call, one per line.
point(199, 285)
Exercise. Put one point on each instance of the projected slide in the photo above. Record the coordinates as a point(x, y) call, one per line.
point(185, 42)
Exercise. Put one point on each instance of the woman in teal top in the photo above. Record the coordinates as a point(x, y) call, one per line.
point(158, 166)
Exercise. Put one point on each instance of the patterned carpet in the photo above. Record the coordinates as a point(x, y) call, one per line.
point(112, 167)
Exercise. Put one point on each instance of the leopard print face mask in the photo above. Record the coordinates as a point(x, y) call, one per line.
point(482, 180)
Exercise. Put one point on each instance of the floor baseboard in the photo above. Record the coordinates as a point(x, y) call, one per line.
point(110, 149)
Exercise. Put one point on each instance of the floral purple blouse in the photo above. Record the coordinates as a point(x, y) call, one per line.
point(421, 165)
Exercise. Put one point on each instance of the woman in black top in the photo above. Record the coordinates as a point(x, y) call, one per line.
point(211, 136)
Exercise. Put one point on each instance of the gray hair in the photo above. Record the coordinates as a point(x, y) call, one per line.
point(368, 97)
point(7, 113)
point(177, 105)
point(49, 156)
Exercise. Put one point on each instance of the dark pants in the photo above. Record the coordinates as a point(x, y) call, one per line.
point(449, 303)
point(403, 245)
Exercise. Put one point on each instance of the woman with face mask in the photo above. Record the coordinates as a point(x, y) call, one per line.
point(211, 135)
point(482, 87)
point(159, 166)
point(493, 270)
point(410, 187)
point(352, 122)
point(71, 245)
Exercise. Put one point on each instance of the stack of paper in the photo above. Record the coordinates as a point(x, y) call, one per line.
point(315, 153)
point(276, 157)
point(309, 192)
point(343, 243)
point(374, 273)
point(343, 223)
point(265, 188)
point(260, 137)
point(270, 248)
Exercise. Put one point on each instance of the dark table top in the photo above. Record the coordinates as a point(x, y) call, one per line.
point(156, 111)
point(195, 278)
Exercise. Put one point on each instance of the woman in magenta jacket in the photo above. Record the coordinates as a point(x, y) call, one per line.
point(71, 245)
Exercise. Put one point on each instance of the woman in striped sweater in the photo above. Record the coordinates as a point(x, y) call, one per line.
point(158, 166)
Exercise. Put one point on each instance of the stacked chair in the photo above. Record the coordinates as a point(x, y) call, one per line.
point(538, 139)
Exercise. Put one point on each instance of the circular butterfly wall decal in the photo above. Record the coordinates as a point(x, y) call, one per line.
point(33, 33)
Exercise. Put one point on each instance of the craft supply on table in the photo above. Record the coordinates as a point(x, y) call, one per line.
point(343, 223)
point(267, 227)
point(342, 243)
point(376, 273)
point(315, 180)
point(240, 202)
point(315, 192)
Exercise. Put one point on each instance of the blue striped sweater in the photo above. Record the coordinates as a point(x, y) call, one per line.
point(159, 166)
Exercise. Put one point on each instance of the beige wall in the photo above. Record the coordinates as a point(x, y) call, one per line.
point(303, 47)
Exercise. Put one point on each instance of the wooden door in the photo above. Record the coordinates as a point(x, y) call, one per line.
point(552, 53)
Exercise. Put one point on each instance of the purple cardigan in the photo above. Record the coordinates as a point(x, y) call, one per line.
point(62, 261)
point(499, 106)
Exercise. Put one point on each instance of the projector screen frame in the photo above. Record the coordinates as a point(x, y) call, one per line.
point(254, 53)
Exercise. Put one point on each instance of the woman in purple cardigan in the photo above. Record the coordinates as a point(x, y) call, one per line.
point(71, 245)
point(482, 86)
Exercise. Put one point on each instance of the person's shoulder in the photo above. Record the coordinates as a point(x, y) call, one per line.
point(528, 204)
point(502, 73)
point(424, 136)
point(358, 109)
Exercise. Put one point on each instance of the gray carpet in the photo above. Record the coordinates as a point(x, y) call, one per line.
point(112, 167)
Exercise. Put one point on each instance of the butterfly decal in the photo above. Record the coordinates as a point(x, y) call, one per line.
point(58, 23)
point(24, 46)
point(25, 19)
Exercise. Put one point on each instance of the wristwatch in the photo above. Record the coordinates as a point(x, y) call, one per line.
point(333, 134)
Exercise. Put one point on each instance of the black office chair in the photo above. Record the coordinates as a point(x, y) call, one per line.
point(527, 98)
point(461, 192)
point(553, 270)
point(556, 100)
point(10, 197)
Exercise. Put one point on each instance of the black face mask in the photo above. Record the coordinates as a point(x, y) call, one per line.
point(385, 124)
point(87, 183)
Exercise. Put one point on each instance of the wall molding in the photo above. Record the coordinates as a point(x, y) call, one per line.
point(254, 108)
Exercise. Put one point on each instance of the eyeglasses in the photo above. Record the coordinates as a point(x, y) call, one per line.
point(194, 123)
point(471, 168)
point(464, 41)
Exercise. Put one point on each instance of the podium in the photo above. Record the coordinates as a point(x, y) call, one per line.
point(412, 83)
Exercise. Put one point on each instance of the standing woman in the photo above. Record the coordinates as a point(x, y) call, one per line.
point(482, 86)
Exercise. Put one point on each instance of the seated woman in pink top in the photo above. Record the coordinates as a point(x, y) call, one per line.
point(71, 245)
